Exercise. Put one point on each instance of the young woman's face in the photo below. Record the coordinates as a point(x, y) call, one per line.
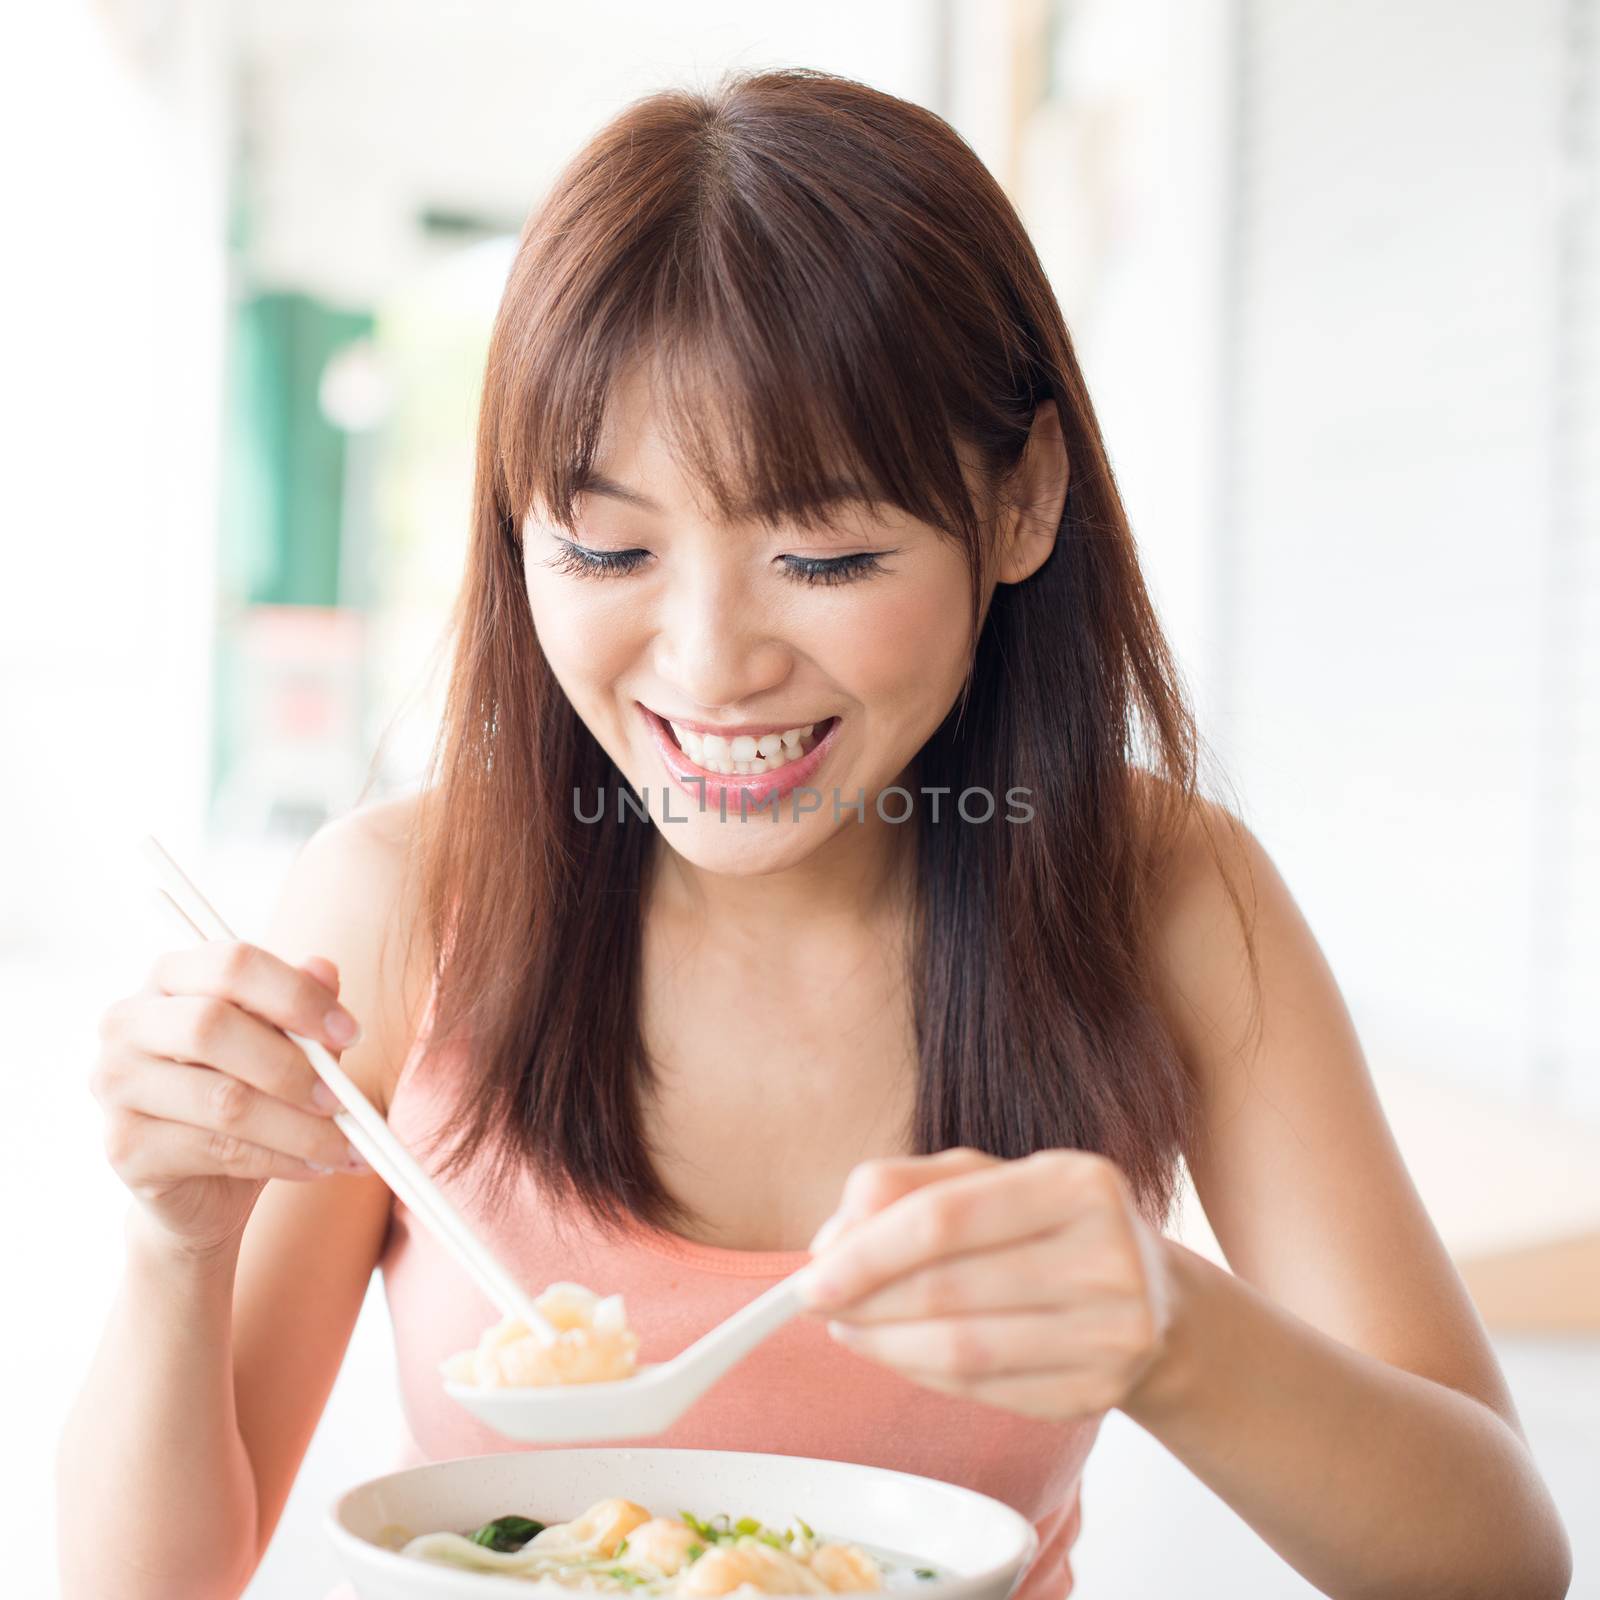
point(653, 614)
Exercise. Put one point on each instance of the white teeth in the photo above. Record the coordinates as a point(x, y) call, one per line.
point(744, 754)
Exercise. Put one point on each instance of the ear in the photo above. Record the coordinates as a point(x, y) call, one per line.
point(1036, 497)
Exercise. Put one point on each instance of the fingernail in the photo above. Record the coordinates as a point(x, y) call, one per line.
point(341, 1027)
point(355, 1161)
point(323, 1098)
point(317, 1166)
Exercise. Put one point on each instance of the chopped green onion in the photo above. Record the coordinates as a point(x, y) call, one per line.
point(694, 1552)
point(926, 1572)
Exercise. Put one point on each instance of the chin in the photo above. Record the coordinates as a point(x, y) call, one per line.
point(748, 849)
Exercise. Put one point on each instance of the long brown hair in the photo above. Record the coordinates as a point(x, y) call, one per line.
point(864, 294)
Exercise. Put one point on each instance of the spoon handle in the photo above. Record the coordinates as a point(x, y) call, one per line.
point(731, 1340)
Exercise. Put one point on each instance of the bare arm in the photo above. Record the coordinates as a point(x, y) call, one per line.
point(1339, 1392)
point(219, 1353)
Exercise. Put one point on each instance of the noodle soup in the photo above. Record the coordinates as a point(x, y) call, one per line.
point(618, 1546)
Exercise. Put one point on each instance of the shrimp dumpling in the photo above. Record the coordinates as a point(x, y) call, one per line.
point(597, 1532)
point(662, 1542)
point(846, 1568)
point(768, 1570)
point(594, 1344)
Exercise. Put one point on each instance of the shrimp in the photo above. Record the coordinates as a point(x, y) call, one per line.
point(593, 1344)
point(845, 1567)
point(597, 1532)
point(765, 1569)
point(662, 1542)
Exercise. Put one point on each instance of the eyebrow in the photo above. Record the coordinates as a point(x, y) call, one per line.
point(835, 490)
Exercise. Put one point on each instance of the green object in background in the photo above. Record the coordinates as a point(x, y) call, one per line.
point(284, 482)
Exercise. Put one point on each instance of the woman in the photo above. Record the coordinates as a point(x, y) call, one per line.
point(934, 980)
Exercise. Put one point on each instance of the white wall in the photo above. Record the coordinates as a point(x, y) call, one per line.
point(1334, 276)
point(113, 341)
point(116, 143)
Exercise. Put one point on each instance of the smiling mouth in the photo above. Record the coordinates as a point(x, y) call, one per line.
point(748, 755)
point(744, 756)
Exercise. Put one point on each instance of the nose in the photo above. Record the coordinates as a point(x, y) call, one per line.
point(716, 645)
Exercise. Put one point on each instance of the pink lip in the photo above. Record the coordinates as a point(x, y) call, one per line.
point(757, 788)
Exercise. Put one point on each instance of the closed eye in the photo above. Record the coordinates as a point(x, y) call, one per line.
point(835, 569)
point(585, 562)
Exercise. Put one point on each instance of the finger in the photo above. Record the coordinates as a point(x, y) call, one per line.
point(1102, 1335)
point(1029, 1275)
point(210, 1032)
point(324, 971)
point(151, 1153)
point(215, 1102)
point(873, 1185)
point(976, 1210)
point(260, 982)
point(1083, 1260)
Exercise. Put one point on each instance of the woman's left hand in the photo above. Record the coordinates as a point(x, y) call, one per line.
point(1032, 1284)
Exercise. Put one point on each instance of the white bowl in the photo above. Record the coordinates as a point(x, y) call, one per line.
point(982, 1543)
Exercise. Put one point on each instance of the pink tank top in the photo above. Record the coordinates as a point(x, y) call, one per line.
point(797, 1393)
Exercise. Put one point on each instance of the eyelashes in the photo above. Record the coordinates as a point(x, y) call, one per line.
point(582, 562)
point(834, 569)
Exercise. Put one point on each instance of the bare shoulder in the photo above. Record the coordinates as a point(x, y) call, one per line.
point(1216, 893)
point(353, 896)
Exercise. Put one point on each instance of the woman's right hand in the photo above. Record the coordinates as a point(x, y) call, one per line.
point(205, 1095)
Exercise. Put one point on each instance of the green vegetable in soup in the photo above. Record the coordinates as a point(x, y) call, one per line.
point(703, 1529)
point(506, 1534)
point(720, 1529)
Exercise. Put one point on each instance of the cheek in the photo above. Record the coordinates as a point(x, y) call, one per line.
point(905, 650)
point(589, 633)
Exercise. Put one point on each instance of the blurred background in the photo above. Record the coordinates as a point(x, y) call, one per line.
point(1333, 270)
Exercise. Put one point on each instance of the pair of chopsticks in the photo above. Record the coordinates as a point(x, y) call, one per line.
point(361, 1124)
